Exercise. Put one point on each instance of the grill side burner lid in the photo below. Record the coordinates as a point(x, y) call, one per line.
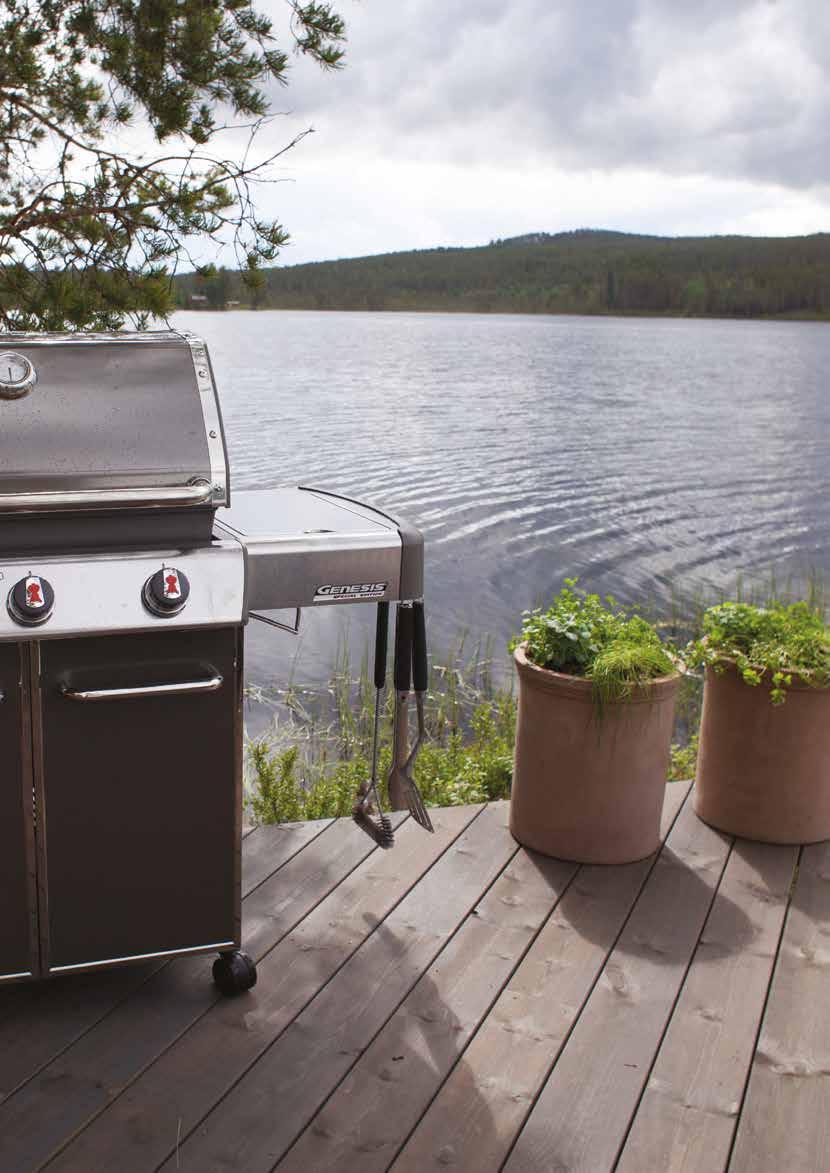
point(102, 422)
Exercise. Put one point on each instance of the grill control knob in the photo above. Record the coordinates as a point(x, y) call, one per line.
point(31, 600)
point(166, 592)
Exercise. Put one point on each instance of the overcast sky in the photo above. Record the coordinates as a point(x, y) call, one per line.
point(454, 122)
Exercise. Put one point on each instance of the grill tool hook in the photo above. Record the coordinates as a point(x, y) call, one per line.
point(368, 798)
point(420, 681)
point(410, 645)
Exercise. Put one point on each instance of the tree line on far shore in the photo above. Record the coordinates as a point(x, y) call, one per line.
point(587, 271)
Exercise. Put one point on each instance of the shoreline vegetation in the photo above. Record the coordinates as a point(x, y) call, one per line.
point(318, 753)
point(668, 315)
point(585, 272)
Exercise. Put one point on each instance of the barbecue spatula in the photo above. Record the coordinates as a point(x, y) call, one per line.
point(397, 783)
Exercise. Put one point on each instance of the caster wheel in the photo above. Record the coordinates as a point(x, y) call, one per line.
point(233, 973)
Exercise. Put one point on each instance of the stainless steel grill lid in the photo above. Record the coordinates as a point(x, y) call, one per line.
point(96, 422)
point(108, 440)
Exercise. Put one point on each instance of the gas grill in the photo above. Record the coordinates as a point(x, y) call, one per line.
point(128, 577)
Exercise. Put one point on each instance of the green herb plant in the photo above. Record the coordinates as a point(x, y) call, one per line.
point(581, 634)
point(771, 645)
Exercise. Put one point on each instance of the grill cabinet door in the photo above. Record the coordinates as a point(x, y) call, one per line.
point(15, 822)
point(140, 796)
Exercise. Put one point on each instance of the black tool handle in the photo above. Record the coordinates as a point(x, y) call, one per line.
point(420, 668)
point(403, 649)
point(381, 644)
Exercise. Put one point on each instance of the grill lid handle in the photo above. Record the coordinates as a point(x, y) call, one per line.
point(160, 497)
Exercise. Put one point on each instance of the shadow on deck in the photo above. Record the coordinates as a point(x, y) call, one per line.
point(456, 1003)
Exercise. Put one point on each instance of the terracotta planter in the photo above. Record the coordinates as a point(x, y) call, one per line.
point(589, 788)
point(763, 770)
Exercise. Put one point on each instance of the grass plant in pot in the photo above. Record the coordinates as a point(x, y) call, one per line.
point(597, 690)
point(763, 768)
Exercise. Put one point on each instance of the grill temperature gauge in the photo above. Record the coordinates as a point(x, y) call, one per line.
point(17, 375)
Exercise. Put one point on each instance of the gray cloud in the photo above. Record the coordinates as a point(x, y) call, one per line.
point(735, 89)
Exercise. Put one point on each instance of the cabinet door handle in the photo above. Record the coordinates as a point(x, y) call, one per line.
point(116, 694)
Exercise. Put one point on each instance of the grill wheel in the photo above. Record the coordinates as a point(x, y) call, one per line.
point(234, 973)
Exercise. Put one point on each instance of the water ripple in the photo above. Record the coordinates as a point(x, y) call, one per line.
point(646, 456)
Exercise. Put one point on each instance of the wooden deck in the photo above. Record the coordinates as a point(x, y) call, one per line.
point(456, 1003)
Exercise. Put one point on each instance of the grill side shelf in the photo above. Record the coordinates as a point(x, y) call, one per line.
point(412, 543)
point(309, 548)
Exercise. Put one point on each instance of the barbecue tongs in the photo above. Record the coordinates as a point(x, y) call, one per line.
point(410, 666)
point(368, 798)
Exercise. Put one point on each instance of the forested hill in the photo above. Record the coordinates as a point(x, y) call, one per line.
point(587, 271)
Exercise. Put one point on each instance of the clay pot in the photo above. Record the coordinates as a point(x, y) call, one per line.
point(589, 787)
point(763, 770)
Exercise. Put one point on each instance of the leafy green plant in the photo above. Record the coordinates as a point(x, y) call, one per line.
point(770, 645)
point(683, 760)
point(581, 634)
point(92, 221)
point(312, 766)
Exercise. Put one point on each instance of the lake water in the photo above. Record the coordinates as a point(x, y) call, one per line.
point(644, 455)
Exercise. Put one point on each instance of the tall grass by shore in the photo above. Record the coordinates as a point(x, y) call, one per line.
point(319, 751)
point(321, 748)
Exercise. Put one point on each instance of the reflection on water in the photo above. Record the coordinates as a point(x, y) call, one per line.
point(642, 455)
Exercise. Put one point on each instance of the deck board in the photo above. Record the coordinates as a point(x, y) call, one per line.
point(456, 1003)
point(268, 848)
point(373, 1111)
point(687, 1117)
point(600, 1073)
point(785, 1122)
point(478, 1112)
point(247, 1131)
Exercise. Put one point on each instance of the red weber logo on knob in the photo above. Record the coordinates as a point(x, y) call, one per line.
point(172, 587)
point(34, 593)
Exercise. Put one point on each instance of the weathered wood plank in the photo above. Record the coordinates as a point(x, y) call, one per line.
point(139, 1130)
point(265, 1112)
point(687, 1117)
point(785, 1123)
point(267, 848)
point(377, 1106)
point(47, 1110)
point(472, 1122)
point(582, 1114)
point(39, 1021)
